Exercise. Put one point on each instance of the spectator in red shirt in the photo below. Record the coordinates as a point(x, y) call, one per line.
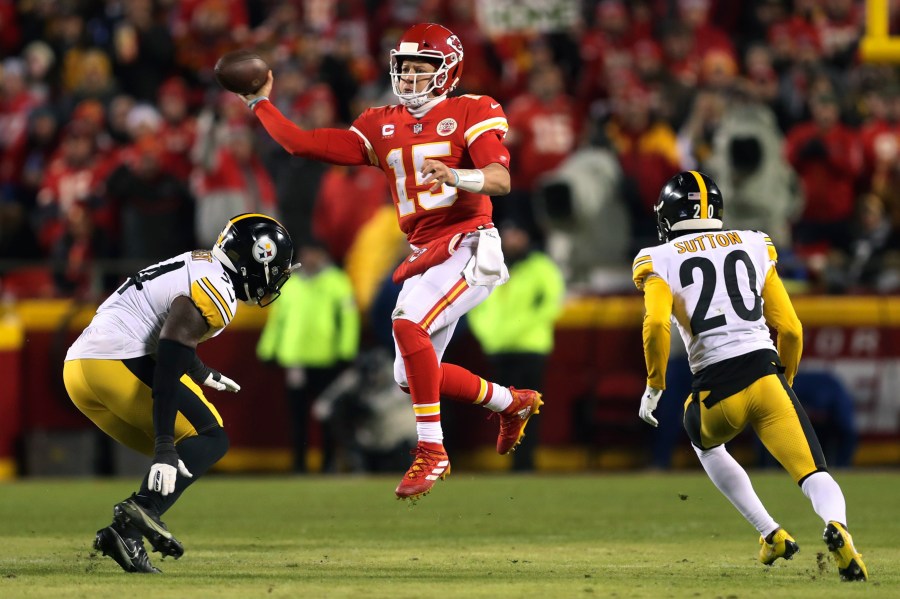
point(707, 37)
point(828, 158)
point(648, 152)
point(881, 149)
point(178, 131)
point(71, 177)
point(335, 221)
point(235, 182)
point(679, 52)
point(203, 30)
point(610, 35)
point(840, 30)
point(544, 128)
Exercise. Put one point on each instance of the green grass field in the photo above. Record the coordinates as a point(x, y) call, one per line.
point(640, 535)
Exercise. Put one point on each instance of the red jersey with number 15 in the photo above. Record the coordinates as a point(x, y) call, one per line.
point(399, 143)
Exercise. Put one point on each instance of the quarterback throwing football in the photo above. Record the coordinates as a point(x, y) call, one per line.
point(721, 289)
point(443, 157)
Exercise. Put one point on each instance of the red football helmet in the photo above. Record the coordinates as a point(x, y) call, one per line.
point(433, 43)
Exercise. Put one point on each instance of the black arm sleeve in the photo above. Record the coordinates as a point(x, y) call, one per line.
point(172, 360)
point(198, 371)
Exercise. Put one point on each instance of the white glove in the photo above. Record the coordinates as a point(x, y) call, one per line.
point(162, 477)
point(220, 382)
point(648, 404)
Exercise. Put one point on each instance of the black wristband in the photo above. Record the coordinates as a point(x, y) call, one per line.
point(164, 452)
point(164, 443)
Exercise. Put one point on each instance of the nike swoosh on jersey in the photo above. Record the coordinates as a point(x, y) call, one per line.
point(495, 105)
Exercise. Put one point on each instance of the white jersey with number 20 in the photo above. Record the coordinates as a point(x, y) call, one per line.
point(716, 279)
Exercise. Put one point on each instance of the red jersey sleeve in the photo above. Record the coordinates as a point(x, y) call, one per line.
point(486, 126)
point(484, 115)
point(488, 149)
point(336, 146)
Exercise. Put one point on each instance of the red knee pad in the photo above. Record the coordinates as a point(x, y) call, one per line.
point(411, 338)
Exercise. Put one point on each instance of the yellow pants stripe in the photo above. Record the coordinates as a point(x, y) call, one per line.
point(444, 303)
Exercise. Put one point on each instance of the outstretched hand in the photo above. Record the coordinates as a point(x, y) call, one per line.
point(262, 92)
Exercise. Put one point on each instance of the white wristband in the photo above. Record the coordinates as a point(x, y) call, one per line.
point(256, 101)
point(469, 179)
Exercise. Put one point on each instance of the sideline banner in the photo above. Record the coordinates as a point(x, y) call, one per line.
point(499, 17)
point(867, 360)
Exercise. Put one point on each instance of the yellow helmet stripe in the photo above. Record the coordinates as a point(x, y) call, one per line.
point(251, 215)
point(704, 208)
point(242, 217)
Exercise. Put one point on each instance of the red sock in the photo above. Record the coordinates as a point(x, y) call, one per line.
point(459, 384)
point(422, 370)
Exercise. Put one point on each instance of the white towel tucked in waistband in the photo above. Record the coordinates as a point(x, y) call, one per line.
point(486, 267)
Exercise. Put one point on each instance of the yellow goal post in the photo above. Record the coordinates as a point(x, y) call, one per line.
point(877, 44)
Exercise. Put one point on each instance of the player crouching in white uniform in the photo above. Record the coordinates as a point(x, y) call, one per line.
point(134, 371)
point(721, 289)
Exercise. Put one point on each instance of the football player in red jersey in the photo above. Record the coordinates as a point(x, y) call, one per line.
point(443, 157)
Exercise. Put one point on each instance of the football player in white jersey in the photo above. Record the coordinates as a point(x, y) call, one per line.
point(722, 291)
point(134, 371)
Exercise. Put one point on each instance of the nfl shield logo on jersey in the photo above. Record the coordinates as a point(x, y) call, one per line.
point(417, 128)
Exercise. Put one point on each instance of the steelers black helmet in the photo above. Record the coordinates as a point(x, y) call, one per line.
point(257, 251)
point(689, 201)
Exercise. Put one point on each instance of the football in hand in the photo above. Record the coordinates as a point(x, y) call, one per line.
point(241, 71)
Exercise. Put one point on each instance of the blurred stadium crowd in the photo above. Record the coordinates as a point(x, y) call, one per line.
point(117, 148)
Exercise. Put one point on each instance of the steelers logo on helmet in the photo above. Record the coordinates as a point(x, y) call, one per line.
point(689, 201)
point(264, 250)
point(256, 250)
